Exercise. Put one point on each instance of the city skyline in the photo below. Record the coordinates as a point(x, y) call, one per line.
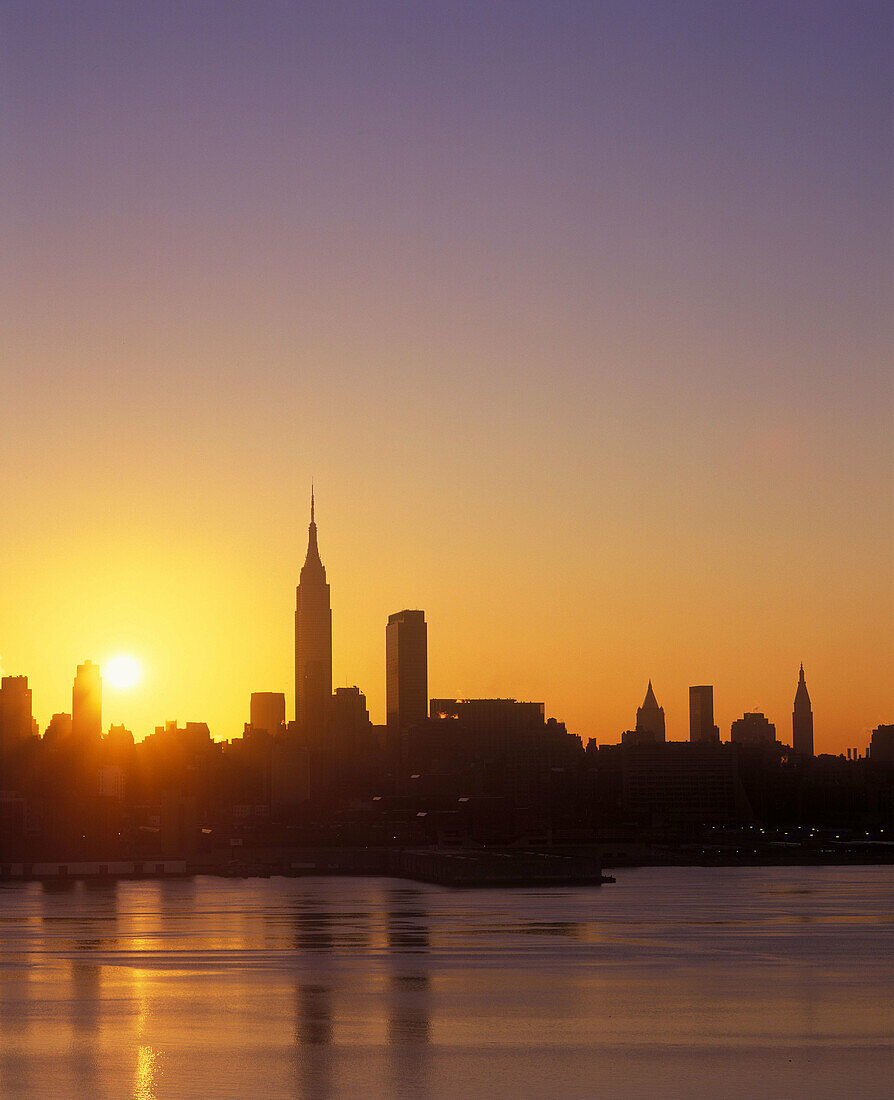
point(447, 558)
point(406, 680)
point(579, 313)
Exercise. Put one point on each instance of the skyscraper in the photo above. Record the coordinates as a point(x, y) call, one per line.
point(650, 719)
point(268, 711)
point(802, 720)
point(406, 668)
point(701, 714)
point(313, 639)
point(86, 705)
point(16, 722)
point(753, 728)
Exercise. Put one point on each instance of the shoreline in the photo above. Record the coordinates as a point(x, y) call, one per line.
point(463, 868)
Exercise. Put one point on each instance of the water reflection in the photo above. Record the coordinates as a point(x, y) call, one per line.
point(373, 988)
point(407, 926)
point(313, 928)
point(15, 1024)
point(313, 1014)
point(144, 1074)
point(84, 1001)
point(313, 1036)
point(409, 1019)
point(409, 993)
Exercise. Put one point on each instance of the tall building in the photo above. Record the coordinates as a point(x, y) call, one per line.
point(268, 711)
point(753, 728)
point(86, 705)
point(650, 719)
point(350, 730)
point(701, 715)
point(881, 745)
point(313, 639)
point(406, 669)
point(802, 720)
point(58, 730)
point(16, 721)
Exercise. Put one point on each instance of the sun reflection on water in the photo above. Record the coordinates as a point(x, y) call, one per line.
point(144, 1076)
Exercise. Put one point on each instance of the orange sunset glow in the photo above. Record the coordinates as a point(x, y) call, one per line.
point(446, 549)
point(602, 424)
point(574, 597)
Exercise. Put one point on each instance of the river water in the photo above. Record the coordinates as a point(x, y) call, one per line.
point(673, 982)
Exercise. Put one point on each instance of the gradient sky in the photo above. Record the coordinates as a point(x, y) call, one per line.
point(577, 314)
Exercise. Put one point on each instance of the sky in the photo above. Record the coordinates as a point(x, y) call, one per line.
point(577, 315)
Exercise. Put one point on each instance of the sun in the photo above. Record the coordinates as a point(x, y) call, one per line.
point(122, 672)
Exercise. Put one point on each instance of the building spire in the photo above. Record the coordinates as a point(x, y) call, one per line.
point(312, 564)
point(650, 701)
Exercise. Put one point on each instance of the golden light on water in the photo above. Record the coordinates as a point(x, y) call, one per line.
point(122, 672)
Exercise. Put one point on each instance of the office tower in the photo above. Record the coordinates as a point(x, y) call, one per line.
point(313, 639)
point(881, 745)
point(86, 705)
point(802, 720)
point(650, 719)
point(350, 730)
point(58, 730)
point(406, 669)
point(701, 714)
point(16, 722)
point(753, 728)
point(268, 711)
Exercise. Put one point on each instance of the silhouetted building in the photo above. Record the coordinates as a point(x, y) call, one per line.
point(650, 720)
point(350, 730)
point(499, 730)
point(58, 730)
point(881, 747)
point(701, 715)
point(111, 782)
point(119, 739)
point(349, 711)
point(268, 711)
point(289, 772)
point(16, 721)
point(802, 720)
point(406, 668)
point(86, 705)
point(753, 729)
point(682, 783)
point(313, 640)
point(490, 714)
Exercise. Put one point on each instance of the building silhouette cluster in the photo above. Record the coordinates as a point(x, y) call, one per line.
point(439, 771)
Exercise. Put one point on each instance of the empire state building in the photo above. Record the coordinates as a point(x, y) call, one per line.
point(313, 639)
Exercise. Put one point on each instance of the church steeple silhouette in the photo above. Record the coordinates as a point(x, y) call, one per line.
point(313, 639)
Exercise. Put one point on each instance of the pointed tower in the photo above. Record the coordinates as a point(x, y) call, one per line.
point(650, 719)
point(313, 640)
point(802, 720)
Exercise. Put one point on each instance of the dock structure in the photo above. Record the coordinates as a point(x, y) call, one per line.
point(462, 867)
point(458, 867)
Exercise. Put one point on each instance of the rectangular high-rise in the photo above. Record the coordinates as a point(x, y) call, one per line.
point(701, 715)
point(268, 711)
point(406, 668)
point(16, 722)
point(86, 705)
